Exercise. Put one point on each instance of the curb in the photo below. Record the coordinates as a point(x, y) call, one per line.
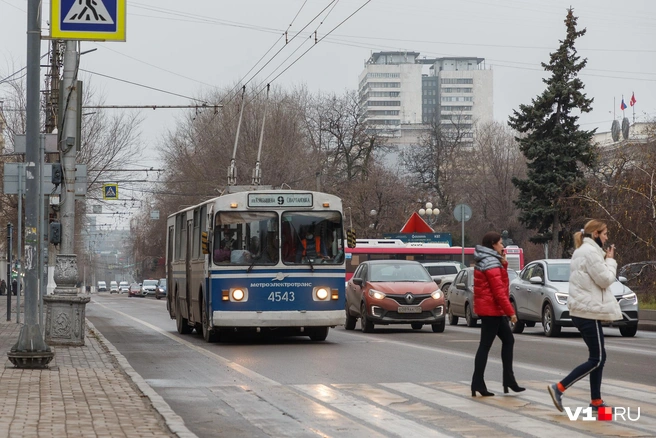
point(173, 421)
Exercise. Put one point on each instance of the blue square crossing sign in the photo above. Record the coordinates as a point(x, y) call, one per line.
point(110, 192)
point(88, 19)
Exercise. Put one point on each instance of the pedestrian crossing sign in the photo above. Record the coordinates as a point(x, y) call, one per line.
point(96, 20)
point(110, 192)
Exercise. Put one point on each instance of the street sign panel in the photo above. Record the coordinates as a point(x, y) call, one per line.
point(110, 192)
point(96, 20)
point(462, 212)
point(10, 179)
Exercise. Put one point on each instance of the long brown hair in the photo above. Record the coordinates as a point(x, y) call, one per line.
point(590, 227)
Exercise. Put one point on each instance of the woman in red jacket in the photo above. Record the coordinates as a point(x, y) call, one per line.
point(492, 305)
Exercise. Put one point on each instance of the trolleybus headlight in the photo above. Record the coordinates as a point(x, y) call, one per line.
point(373, 293)
point(321, 293)
point(238, 294)
point(437, 294)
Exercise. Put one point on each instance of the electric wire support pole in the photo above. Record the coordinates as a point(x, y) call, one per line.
point(31, 350)
point(65, 309)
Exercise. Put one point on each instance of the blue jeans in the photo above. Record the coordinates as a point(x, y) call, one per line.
point(593, 336)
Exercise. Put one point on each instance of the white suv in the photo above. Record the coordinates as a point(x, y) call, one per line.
point(149, 287)
point(443, 272)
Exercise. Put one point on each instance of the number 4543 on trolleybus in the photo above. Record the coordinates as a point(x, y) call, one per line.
point(257, 260)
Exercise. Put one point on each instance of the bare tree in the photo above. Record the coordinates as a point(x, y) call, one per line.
point(431, 163)
point(337, 132)
point(485, 174)
point(622, 190)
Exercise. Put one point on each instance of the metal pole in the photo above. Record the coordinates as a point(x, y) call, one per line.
point(19, 271)
point(462, 245)
point(42, 230)
point(31, 351)
point(67, 145)
point(65, 300)
point(10, 237)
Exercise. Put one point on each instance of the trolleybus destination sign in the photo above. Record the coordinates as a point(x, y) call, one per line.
point(280, 199)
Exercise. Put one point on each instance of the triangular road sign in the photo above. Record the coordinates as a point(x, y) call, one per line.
point(88, 11)
point(416, 224)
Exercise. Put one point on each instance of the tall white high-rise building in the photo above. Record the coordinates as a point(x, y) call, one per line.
point(401, 94)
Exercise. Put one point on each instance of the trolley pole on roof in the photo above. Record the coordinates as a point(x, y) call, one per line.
point(31, 351)
point(232, 170)
point(257, 173)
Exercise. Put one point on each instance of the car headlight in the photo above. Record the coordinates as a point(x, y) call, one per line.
point(561, 298)
point(437, 294)
point(631, 297)
point(377, 295)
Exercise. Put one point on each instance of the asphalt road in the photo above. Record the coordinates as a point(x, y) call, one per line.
point(394, 382)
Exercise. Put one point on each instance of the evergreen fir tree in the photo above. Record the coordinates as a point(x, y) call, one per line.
point(553, 143)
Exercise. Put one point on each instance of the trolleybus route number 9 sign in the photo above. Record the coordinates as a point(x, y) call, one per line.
point(279, 199)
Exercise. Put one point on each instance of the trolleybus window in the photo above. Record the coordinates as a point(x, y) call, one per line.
point(245, 238)
point(312, 237)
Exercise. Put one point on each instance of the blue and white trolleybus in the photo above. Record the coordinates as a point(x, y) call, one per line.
point(257, 260)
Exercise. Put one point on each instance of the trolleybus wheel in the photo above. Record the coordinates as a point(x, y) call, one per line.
point(181, 323)
point(209, 335)
point(319, 333)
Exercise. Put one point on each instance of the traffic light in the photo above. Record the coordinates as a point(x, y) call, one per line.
point(350, 238)
point(56, 176)
point(205, 242)
point(55, 233)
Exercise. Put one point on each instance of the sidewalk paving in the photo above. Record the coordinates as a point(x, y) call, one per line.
point(88, 391)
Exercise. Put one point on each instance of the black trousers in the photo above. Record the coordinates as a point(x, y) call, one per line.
point(491, 327)
point(593, 335)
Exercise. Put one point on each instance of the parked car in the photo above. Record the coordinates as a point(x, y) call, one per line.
point(149, 287)
point(540, 294)
point(113, 287)
point(460, 297)
point(102, 286)
point(443, 271)
point(393, 292)
point(135, 291)
point(123, 287)
point(161, 289)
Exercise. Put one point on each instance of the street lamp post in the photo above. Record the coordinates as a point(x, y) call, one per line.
point(429, 214)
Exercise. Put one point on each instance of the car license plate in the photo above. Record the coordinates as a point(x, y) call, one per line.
point(409, 309)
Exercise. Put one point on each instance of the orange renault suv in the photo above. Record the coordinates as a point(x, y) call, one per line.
point(393, 292)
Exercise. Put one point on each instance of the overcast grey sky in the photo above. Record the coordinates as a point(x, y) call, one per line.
point(185, 47)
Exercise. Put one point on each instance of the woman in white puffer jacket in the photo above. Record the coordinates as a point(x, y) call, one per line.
point(590, 302)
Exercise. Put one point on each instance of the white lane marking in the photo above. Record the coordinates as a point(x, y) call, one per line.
point(224, 361)
point(368, 413)
point(483, 411)
point(301, 414)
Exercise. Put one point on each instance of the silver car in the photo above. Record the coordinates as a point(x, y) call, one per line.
point(460, 297)
point(540, 294)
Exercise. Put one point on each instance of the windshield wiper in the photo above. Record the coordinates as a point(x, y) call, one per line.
point(309, 260)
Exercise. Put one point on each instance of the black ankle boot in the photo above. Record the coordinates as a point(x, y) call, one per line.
point(515, 387)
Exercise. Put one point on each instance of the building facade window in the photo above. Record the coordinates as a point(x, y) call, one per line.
point(457, 90)
point(384, 103)
point(456, 81)
point(384, 84)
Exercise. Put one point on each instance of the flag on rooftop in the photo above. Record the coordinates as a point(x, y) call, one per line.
point(623, 105)
point(633, 99)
